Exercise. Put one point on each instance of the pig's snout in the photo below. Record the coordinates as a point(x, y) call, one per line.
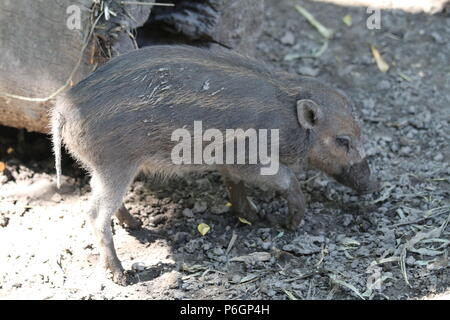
point(358, 177)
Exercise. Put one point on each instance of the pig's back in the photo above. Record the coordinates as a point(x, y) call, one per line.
point(189, 79)
point(150, 92)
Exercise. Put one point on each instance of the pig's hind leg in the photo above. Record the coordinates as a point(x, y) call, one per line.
point(108, 189)
point(286, 183)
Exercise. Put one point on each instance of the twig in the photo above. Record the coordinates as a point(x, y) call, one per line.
point(148, 3)
point(324, 31)
point(231, 244)
point(431, 215)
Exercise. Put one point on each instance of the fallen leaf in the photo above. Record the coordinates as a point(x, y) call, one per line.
point(290, 295)
point(348, 20)
point(381, 64)
point(203, 228)
point(426, 252)
point(2, 166)
point(253, 257)
point(404, 76)
point(249, 277)
point(292, 56)
point(244, 221)
point(349, 242)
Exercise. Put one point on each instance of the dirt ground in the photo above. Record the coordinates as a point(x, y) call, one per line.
point(390, 245)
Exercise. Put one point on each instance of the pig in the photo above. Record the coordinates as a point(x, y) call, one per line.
point(120, 119)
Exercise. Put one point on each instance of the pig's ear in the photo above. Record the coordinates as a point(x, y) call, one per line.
point(308, 113)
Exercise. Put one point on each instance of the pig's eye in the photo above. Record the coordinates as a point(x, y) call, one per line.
point(344, 141)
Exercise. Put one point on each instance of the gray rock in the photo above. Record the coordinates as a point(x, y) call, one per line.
point(4, 221)
point(220, 209)
point(203, 184)
point(405, 151)
point(180, 237)
point(383, 85)
point(308, 71)
point(200, 207)
point(288, 38)
point(188, 213)
point(305, 244)
point(218, 251)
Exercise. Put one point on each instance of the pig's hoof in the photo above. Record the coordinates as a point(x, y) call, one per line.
point(296, 212)
point(246, 209)
point(294, 220)
point(122, 278)
point(292, 225)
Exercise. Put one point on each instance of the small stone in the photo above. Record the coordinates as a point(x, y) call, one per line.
point(412, 109)
point(410, 261)
point(193, 245)
point(437, 37)
point(220, 209)
point(369, 103)
point(405, 151)
point(308, 71)
point(203, 184)
point(4, 221)
point(56, 198)
point(180, 237)
point(178, 295)
point(383, 85)
point(160, 219)
point(363, 252)
point(266, 245)
point(188, 213)
point(438, 157)
point(386, 138)
point(271, 292)
point(138, 266)
point(218, 251)
point(200, 207)
point(347, 220)
point(288, 38)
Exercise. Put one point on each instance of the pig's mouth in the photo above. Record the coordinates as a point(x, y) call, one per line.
point(358, 178)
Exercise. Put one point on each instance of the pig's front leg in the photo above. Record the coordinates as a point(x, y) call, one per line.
point(241, 206)
point(296, 204)
point(286, 182)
